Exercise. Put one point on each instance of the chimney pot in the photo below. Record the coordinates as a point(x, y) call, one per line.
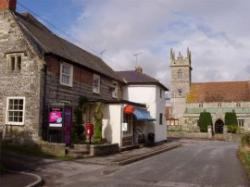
point(8, 5)
point(138, 69)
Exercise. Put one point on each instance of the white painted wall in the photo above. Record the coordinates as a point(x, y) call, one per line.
point(149, 95)
point(112, 122)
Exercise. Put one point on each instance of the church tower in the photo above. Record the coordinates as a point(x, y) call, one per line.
point(180, 81)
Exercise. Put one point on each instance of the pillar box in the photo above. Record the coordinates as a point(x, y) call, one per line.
point(89, 131)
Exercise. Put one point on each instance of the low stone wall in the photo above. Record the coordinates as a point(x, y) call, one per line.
point(56, 149)
point(183, 134)
point(201, 135)
point(103, 149)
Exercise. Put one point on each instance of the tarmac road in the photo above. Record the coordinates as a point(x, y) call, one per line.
point(196, 163)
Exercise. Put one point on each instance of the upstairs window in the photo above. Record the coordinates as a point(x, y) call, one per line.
point(15, 110)
point(96, 83)
point(66, 74)
point(161, 118)
point(115, 90)
point(161, 93)
point(15, 62)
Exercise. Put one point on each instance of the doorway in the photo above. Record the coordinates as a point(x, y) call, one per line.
point(219, 125)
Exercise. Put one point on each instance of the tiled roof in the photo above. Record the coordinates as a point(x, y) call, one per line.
point(138, 78)
point(219, 92)
point(46, 42)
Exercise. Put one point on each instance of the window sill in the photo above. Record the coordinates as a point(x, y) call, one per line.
point(14, 124)
point(67, 85)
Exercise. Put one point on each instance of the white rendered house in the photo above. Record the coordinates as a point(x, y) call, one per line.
point(142, 88)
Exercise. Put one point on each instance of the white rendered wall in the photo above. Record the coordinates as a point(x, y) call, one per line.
point(150, 95)
point(112, 121)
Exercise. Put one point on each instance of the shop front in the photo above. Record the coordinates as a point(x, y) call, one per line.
point(136, 125)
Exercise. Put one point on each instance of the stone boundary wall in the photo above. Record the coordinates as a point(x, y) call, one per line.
point(105, 149)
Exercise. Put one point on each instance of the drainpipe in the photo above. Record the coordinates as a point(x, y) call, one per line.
point(44, 104)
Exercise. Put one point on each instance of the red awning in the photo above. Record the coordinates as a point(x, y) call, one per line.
point(129, 109)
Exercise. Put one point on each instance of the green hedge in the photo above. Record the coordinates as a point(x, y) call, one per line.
point(204, 121)
point(231, 122)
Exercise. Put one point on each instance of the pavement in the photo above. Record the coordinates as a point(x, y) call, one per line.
point(17, 179)
point(130, 156)
point(34, 167)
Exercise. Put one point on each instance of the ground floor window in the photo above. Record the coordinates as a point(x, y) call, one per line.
point(15, 110)
point(241, 122)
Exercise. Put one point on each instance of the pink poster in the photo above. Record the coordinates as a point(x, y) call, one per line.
point(55, 117)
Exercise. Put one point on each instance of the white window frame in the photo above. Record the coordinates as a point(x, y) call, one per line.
point(98, 88)
point(7, 111)
point(115, 90)
point(70, 75)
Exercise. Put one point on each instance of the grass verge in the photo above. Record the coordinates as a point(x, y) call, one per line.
point(32, 150)
point(244, 156)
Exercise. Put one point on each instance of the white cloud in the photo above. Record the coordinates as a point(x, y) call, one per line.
point(216, 31)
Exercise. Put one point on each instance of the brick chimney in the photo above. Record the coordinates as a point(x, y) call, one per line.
point(8, 5)
point(138, 69)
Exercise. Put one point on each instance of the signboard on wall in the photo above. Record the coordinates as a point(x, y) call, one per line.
point(124, 127)
point(56, 117)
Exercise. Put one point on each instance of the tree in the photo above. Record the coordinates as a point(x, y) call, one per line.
point(78, 128)
point(98, 115)
point(231, 122)
point(205, 119)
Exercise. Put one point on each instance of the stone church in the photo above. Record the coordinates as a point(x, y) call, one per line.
point(189, 99)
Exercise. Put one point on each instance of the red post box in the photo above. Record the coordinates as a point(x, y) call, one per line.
point(89, 130)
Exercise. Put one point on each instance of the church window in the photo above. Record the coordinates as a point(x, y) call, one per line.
point(179, 74)
point(179, 92)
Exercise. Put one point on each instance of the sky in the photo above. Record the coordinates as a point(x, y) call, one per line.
point(216, 31)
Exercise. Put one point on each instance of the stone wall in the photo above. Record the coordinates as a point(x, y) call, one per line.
point(23, 83)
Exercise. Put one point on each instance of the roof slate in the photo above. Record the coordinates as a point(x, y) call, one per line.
point(49, 43)
point(133, 77)
point(234, 91)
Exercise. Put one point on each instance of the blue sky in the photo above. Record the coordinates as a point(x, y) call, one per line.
point(60, 13)
point(217, 32)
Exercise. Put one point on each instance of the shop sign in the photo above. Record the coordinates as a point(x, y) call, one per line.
point(55, 117)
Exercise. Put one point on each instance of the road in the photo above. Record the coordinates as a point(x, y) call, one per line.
point(196, 163)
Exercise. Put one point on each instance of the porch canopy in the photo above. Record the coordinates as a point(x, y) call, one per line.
point(141, 114)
